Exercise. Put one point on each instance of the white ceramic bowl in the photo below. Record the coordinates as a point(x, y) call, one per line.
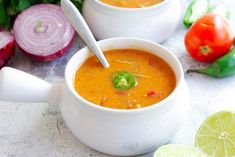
point(111, 131)
point(155, 23)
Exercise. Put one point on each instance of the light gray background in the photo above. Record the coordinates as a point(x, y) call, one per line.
point(38, 130)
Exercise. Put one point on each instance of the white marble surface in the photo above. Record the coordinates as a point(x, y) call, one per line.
point(38, 130)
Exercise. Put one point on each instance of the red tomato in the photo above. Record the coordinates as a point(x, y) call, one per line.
point(209, 38)
point(152, 93)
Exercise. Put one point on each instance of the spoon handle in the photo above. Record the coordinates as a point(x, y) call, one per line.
point(80, 25)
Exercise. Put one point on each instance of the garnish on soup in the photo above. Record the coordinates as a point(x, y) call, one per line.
point(130, 82)
point(132, 3)
point(124, 80)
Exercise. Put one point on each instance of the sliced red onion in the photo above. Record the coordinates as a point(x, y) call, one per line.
point(6, 47)
point(42, 32)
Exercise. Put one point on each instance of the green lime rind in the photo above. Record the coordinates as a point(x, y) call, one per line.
point(178, 150)
point(216, 136)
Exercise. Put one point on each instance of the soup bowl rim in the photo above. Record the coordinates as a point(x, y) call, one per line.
point(155, 106)
point(154, 7)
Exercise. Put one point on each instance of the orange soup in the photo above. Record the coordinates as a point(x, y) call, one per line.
point(131, 3)
point(135, 79)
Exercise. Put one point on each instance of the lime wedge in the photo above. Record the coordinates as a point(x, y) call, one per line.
point(216, 136)
point(178, 150)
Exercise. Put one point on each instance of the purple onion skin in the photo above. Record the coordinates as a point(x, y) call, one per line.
point(50, 55)
point(48, 58)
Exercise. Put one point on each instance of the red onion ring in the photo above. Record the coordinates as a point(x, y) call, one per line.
point(42, 32)
point(6, 47)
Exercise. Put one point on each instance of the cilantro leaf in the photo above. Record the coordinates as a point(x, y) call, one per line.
point(23, 4)
point(9, 9)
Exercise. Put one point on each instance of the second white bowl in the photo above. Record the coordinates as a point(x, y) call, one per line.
point(154, 23)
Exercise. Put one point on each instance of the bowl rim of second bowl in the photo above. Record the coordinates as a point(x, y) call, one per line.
point(155, 7)
point(155, 106)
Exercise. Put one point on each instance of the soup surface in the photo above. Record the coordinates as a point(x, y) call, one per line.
point(132, 3)
point(154, 80)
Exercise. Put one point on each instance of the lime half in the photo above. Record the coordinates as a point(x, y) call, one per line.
point(178, 150)
point(216, 136)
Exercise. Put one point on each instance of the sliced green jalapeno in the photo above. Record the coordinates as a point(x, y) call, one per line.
point(195, 10)
point(198, 8)
point(220, 9)
point(124, 80)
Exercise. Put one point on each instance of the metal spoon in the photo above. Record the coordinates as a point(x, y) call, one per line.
point(80, 25)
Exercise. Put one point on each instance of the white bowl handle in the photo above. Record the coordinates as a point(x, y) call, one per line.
point(16, 85)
